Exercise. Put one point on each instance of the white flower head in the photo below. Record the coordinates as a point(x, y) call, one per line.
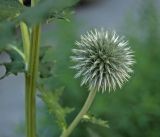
point(103, 60)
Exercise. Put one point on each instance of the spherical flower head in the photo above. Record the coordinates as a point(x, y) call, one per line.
point(103, 60)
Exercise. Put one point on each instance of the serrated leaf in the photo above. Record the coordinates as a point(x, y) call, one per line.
point(13, 68)
point(51, 99)
point(9, 9)
point(47, 10)
point(17, 64)
point(59, 14)
point(46, 66)
point(92, 119)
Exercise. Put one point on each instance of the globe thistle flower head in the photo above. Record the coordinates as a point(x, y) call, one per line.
point(103, 60)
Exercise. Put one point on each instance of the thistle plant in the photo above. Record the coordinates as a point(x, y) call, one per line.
point(102, 58)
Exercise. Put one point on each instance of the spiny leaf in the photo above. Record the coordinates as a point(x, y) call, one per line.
point(92, 119)
point(51, 99)
point(13, 68)
point(47, 10)
point(17, 64)
point(44, 11)
point(46, 66)
point(59, 14)
point(9, 9)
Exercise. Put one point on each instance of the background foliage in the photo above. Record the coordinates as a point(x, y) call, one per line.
point(134, 110)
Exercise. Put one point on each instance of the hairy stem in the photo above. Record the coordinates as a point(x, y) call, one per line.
point(83, 111)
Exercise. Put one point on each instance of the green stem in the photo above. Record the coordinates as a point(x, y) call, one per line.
point(83, 111)
point(32, 59)
point(31, 51)
point(26, 41)
point(26, 48)
point(31, 79)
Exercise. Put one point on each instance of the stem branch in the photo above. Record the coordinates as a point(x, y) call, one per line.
point(83, 111)
point(26, 41)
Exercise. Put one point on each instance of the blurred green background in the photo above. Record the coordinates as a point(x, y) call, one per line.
point(134, 110)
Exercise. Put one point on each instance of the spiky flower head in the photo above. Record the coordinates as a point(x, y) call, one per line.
point(103, 59)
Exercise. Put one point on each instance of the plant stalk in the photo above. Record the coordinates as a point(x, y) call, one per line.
point(83, 111)
point(32, 59)
point(26, 47)
point(31, 51)
point(31, 78)
point(26, 41)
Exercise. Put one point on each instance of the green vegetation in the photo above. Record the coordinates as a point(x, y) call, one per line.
point(131, 112)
